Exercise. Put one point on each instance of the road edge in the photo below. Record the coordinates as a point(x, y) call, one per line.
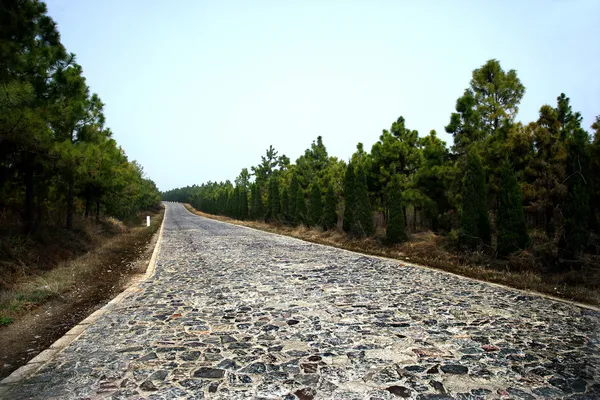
point(74, 333)
point(398, 261)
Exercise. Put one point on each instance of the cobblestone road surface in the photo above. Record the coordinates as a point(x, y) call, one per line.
point(234, 313)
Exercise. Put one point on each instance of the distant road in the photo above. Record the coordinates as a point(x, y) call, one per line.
point(234, 313)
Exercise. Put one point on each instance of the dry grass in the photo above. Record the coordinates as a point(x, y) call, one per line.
point(433, 251)
point(107, 244)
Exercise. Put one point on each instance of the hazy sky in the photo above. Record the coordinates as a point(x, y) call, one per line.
point(197, 90)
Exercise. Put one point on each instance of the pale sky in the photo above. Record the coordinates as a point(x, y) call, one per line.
point(197, 90)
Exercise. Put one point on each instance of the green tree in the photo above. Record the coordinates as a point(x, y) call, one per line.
point(293, 195)
point(491, 101)
point(475, 223)
point(577, 212)
point(329, 212)
point(274, 203)
point(285, 205)
point(510, 220)
point(395, 230)
point(315, 205)
point(349, 198)
point(362, 220)
point(300, 215)
point(258, 211)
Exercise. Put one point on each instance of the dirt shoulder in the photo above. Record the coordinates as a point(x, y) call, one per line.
point(109, 269)
point(429, 250)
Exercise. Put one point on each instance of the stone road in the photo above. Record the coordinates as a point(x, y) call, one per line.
point(234, 313)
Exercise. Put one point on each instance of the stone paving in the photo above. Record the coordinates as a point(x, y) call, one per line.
point(234, 313)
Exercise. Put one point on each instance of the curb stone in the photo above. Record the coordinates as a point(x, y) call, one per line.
point(58, 346)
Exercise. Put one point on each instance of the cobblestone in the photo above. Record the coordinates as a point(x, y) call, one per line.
point(233, 313)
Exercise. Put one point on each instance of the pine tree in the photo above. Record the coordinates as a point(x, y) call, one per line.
point(349, 198)
point(300, 206)
point(274, 204)
point(243, 204)
point(510, 220)
point(315, 212)
point(257, 203)
point(395, 230)
point(475, 223)
point(329, 215)
point(362, 221)
point(293, 194)
point(577, 212)
point(285, 205)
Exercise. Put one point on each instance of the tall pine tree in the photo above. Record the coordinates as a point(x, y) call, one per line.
point(349, 197)
point(396, 227)
point(274, 204)
point(329, 215)
point(362, 221)
point(315, 212)
point(475, 222)
point(300, 208)
point(510, 219)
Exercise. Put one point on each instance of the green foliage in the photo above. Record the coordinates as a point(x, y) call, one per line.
point(285, 205)
point(510, 219)
point(301, 214)
point(544, 174)
point(577, 212)
point(362, 219)
point(293, 194)
point(56, 156)
point(349, 198)
point(330, 217)
point(395, 231)
point(398, 151)
point(4, 321)
point(315, 206)
point(274, 203)
point(475, 223)
point(258, 210)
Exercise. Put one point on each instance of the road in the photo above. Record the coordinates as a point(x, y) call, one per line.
point(235, 313)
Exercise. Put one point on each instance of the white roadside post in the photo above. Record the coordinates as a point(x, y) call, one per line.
point(147, 220)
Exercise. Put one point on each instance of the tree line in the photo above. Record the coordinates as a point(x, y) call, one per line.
point(57, 157)
point(498, 185)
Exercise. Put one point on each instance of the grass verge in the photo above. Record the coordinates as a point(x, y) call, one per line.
point(104, 263)
point(432, 251)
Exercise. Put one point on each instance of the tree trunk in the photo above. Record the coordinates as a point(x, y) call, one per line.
point(549, 223)
point(69, 225)
point(415, 210)
point(404, 211)
point(29, 195)
point(97, 210)
point(88, 205)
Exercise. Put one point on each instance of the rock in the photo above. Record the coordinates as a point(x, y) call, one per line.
point(454, 369)
point(148, 357)
point(433, 370)
point(228, 364)
point(256, 368)
point(159, 375)
point(306, 394)
point(520, 394)
point(211, 373)
point(148, 386)
point(399, 391)
point(213, 387)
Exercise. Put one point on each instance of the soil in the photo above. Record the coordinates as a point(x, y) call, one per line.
point(37, 330)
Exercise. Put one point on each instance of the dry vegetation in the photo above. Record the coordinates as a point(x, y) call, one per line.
point(522, 271)
point(54, 262)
